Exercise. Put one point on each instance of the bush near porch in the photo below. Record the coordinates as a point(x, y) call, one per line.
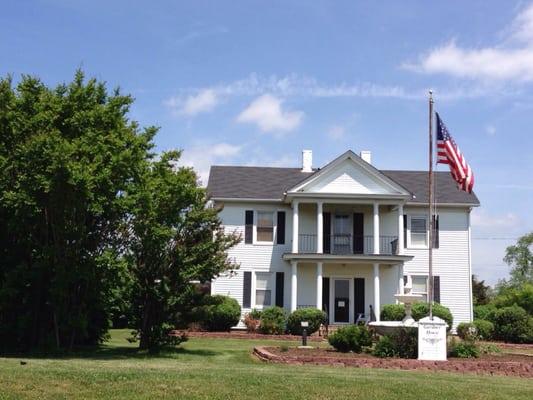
point(313, 316)
point(396, 312)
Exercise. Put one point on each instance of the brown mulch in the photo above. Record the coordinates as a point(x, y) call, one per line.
point(504, 364)
point(243, 335)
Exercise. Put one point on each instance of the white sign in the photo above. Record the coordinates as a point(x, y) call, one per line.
point(432, 339)
point(341, 304)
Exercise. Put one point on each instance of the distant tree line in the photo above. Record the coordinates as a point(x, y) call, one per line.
point(94, 226)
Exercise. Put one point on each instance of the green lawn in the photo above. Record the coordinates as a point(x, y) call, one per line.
point(224, 369)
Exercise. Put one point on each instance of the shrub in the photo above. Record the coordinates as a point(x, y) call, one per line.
point(485, 329)
point(403, 343)
point(273, 321)
point(255, 313)
point(351, 338)
point(385, 347)
point(512, 324)
point(314, 316)
point(484, 311)
point(467, 331)
point(421, 310)
point(220, 313)
point(521, 296)
point(252, 324)
point(393, 312)
point(467, 349)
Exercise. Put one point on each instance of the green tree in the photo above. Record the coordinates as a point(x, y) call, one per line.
point(520, 258)
point(175, 239)
point(67, 156)
point(481, 293)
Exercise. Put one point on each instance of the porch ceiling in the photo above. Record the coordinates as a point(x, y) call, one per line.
point(348, 258)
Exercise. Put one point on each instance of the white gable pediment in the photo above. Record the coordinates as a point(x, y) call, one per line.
point(349, 175)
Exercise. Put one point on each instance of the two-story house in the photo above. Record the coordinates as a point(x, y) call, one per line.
point(343, 238)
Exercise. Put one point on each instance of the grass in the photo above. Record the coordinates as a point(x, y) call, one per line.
point(224, 369)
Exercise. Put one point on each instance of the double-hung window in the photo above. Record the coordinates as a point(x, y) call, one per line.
point(263, 289)
point(265, 226)
point(420, 286)
point(419, 231)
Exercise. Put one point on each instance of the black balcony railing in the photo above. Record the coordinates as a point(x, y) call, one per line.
point(348, 244)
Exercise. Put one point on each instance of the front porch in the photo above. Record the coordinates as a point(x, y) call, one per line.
point(348, 290)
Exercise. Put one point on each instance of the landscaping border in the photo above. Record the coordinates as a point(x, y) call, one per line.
point(244, 335)
point(507, 368)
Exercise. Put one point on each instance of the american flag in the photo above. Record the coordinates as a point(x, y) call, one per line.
point(448, 153)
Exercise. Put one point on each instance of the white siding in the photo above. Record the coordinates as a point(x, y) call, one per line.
point(348, 178)
point(450, 261)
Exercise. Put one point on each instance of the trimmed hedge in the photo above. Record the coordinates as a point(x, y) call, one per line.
point(512, 324)
point(220, 313)
point(485, 329)
point(351, 338)
point(467, 331)
point(273, 321)
point(403, 343)
point(421, 310)
point(393, 312)
point(396, 312)
point(314, 316)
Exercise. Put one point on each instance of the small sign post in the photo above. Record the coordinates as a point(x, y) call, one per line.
point(432, 339)
point(305, 325)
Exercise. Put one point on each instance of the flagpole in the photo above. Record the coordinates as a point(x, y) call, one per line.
point(430, 208)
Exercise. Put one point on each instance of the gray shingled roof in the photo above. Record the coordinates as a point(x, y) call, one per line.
point(271, 183)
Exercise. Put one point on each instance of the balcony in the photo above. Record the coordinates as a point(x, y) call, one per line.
point(343, 244)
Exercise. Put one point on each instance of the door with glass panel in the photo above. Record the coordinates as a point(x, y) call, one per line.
point(341, 300)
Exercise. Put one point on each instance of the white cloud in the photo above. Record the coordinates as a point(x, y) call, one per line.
point(202, 155)
point(495, 225)
point(336, 132)
point(491, 130)
point(511, 60)
point(203, 101)
point(267, 113)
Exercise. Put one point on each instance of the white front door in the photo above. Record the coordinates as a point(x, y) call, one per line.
point(342, 300)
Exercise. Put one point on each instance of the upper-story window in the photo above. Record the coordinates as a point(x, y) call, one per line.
point(265, 226)
point(418, 231)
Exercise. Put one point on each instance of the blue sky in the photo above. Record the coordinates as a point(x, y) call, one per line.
point(255, 82)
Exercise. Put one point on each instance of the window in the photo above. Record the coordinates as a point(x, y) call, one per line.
point(263, 292)
point(420, 286)
point(265, 226)
point(419, 231)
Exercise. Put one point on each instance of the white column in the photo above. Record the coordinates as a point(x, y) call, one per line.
point(376, 227)
point(319, 285)
point(294, 285)
point(377, 305)
point(400, 229)
point(400, 278)
point(319, 228)
point(295, 226)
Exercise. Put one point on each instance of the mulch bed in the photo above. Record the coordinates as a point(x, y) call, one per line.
point(244, 335)
point(504, 364)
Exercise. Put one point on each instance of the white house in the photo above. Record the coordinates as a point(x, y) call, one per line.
point(343, 238)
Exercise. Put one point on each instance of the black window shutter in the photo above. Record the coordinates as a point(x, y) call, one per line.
point(325, 296)
point(247, 290)
point(359, 296)
point(248, 226)
point(327, 233)
point(405, 231)
point(280, 230)
point(435, 231)
point(358, 233)
point(436, 289)
point(280, 287)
